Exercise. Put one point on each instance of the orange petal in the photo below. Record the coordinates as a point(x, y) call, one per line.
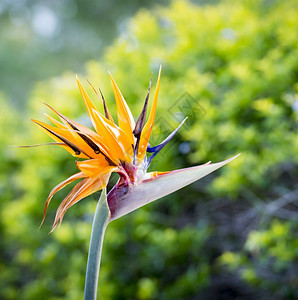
point(89, 105)
point(58, 188)
point(83, 135)
point(83, 189)
point(63, 203)
point(60, 134)
point(94, 167)
point(79, 138)
point(58, 124)
point(107, 112)
point(115, 139)
point(55, 122)
point(109, 133)
point(146, 132)
point(125, 118)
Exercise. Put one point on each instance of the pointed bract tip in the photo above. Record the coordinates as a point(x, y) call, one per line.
point(124, 199)
point(235, 156)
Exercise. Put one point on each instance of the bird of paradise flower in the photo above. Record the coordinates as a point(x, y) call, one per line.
point(116, 148)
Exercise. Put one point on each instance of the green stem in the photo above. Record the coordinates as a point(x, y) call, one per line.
point(100, 222)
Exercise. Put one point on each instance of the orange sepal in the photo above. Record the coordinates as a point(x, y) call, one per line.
point(58, 188)
point(146, 132)
point(95, 167)
point(89, 105)
point(83, 189)
point(65, 136)
point(125, 117)
point(115, 138)
point(82, 132)
point(108, 132)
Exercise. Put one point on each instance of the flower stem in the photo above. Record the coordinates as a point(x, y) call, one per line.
point(100, 222)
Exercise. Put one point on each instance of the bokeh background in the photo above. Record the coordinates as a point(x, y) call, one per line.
point(232, 67)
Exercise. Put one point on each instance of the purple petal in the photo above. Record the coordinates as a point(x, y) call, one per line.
point(156, 149)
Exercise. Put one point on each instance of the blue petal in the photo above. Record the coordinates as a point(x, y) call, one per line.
point(154, 150)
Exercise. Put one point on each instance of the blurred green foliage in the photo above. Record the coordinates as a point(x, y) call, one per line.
point(268, 260)
point(232, 68)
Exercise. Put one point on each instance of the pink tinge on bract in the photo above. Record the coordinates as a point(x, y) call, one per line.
point(126, 197)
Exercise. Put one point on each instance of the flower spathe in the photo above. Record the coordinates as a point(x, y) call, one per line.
point(118, 148)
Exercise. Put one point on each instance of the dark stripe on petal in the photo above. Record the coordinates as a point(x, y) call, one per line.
point(100, 152)
point(68, 143)
point(85, 137)
point(88, 141)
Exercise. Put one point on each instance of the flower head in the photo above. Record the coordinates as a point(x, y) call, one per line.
point(116, 148)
